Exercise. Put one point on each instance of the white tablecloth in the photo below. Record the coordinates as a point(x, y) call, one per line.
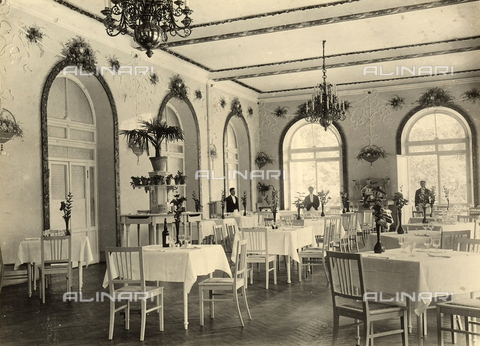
point(29, 251)
point(390, 239)
point(459, 226)
point(205, 229)
point(247, 221)
point(181, 264)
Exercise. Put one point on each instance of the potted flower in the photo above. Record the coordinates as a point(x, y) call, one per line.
point(168, 179)
point(136, 181)
point(178, 209)
point(273, 205)
point(299, 203)
point(345, 204)
point(432, 199)
point(198, 205)
point(153, 132)
point(400, 202)
point(66, 207)
point(324, 198)
point(371, 153)
point(9, 128)
point(180, 178)
point(157, 179)
point(382, 216)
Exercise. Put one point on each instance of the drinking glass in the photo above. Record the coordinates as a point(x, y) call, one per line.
point(427, 242)
point(181, 238)
point(425, 226)
point(430, 226)
point(401, 241)
point(436, 244)
point(411, 245)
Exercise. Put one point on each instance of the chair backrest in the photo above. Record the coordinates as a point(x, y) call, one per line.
point(350, 222)
point(231, 230)
point(474, 212)
point(367, 218)
point(468, 245)
point(56, 249)
point(333, 225)
point(240, 262)
point(219, 237)
point(125, 267)
point(345, 273)
point(465, 218)
point(256, 240)
point(449, 238)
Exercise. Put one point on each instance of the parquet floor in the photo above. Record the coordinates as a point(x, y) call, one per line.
point(299, 313)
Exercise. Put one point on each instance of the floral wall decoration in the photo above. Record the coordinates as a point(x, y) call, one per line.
point(280, 112)
point(177, 87)
point(35, 35)
point(472, 95)
point(435, 97)
point(261, 159)
point(198, 94)
point(223, 102)
point(236, 108)
point(153, 78)
point(250, 111)
point(113, 63)
point(396, 102)
point(368, 111)
point(80, 53)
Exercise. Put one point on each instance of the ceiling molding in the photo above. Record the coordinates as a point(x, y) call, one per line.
point(317, 22)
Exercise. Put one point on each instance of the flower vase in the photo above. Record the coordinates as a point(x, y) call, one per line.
point(274, 218)
point(223, 213)
point(343, 210)
point(431, 209)
point(424, 215)
point(177, 226)
point(67, 231)
point(379, 247)
point(298, 214)
point(399, 222)
point(348, 207)
point(245, 211)
point(323, 210)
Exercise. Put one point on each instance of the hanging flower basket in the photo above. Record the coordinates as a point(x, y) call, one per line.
point(371, 153)
point(9, 127)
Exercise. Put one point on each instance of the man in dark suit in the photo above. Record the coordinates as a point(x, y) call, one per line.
point(422, 190)
point(311, 200)
point(232, 201)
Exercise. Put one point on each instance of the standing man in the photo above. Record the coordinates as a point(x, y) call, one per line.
point(422, 190)
point(232, 201)
point(311, 200)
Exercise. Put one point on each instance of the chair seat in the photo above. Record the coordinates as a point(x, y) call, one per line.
point(375, 308)
point(262, 258)
point(133, 289)
point(462, 303)
point(221, 283)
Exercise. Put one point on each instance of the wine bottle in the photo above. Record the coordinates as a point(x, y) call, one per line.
point(165, 234)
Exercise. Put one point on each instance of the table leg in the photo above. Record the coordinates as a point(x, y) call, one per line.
point(29, 275)
point(127, 235)
point(287, 258)
point(138, 235)
point(80, 276)
point(420, 329)
point(185, 307)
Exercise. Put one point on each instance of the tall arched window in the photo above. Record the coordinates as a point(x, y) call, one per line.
point(312, 157)
point(438, 145)
point(231, 158)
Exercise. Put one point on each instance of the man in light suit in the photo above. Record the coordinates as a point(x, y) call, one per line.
point(311, 200)
point(232, 201)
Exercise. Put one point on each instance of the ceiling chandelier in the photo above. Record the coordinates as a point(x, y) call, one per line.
point(150, 20)
point(325, 107)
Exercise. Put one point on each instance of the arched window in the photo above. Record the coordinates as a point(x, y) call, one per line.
point(231, 158)
point(174, 150)
point(312, 157)
point(437, 142)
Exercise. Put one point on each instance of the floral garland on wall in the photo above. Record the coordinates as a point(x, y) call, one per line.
point(472, 95)
point(236, 108)
point(78, 52)
point(435, 97)
point(177, 87)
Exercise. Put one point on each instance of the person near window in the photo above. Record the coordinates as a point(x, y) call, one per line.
point(422, 190)
point(232, 201)
point(311, 200)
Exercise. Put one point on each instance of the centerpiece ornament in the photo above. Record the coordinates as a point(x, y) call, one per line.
point(345, 204)
point(244, 203)
point(273, 205)
point(150, 20)
point(325, 107)
point(66, 207)
point(299, 203)
point(178, 209)
point(324, 198)
point(400, 202)
point(425, 201)
point(382, 217)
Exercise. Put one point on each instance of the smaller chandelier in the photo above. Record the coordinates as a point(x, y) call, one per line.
point(325, 107)
point(150, 20)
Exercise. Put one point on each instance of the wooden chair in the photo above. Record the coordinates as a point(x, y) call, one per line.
point(449, 238)
point(466, 218)
point(257, 252)
point(56, 258)
point(352, 235)
point(126, 282)
point(231, 230)
point(315, 256)
point(239, 281)
point(416, 213)
point(467, 307)
point(367, 223)
point(468, 245)
point(219, 236)
point(345, 271)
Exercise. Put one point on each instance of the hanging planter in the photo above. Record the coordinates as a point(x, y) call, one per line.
point(262, 159)
point(9, 127)
point(371, 153)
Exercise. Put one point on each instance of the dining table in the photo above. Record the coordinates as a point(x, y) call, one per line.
point(456, 226)
point(30, 252)
point(181, 264)
point(284, 241)
point(420, 277)
point(391, 240)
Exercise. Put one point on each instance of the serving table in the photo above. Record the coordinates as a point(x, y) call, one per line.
point(30, 252)
point(179, 264)
point(422, 277)
point(285, 241)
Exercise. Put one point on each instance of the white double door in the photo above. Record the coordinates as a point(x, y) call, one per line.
point(79, 178)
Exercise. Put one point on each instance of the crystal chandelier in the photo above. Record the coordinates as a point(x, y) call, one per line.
point(325, 107)
point(150, 20)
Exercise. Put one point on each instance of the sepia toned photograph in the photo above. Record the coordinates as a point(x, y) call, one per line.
point(206, 172)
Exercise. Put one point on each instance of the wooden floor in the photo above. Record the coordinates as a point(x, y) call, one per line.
point(299, 313)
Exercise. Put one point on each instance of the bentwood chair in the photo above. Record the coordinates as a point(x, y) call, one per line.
point(126, 282)
point(257, 252)
point(345, 271)
point(239, 281)
point(56, 258)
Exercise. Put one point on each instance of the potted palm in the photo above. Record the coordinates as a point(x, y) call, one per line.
point(153, 132)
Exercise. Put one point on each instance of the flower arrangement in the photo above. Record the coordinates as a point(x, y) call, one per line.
point(178, 209)
point(244, 203)
point(236, 107)
point(198, 94)
point(280, 112)
point(261, 159)
point(472, 95)
point(78, 52)
point(399, 200)
point(274, 204)
point(113, 63)
point(177, 87)
point(446, 192)
point(396, 102)
point(382, 216)
point(34, 34)
point(323, 197)
point(8, 126)
point(66, 207)
point(223, 102)
point(153, 78)
point(222, 203)
point(196, 200)
point(263, 187)
point(250, 111)
point(371, 153)
point(435, 97)
point(299, 203)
